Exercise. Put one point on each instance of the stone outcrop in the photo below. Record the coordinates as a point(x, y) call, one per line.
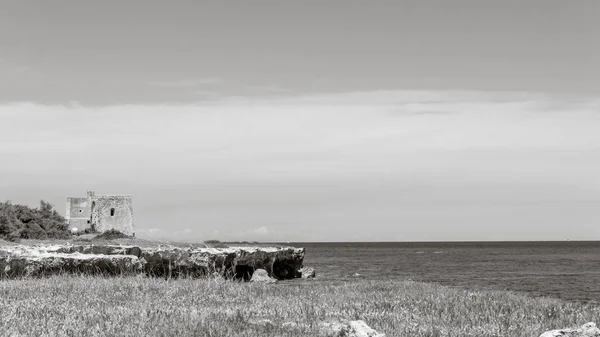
point(162, 261)
point(349, 329)
point(56, 263)
point(261, 276)
point(587, 330)
point(307, 272)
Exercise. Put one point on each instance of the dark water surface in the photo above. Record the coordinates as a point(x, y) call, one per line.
point(567, 270)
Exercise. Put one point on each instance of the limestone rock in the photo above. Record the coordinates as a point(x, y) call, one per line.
point(586, 330)
point(307, 272)
point(349, 329)
point(57, 263)
point(261, 275)
point(361, 329)
point(161, 261)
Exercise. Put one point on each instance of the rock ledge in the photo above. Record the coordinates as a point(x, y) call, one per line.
point(163, 261)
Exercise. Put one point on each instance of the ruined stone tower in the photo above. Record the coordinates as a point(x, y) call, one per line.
point(101, 212)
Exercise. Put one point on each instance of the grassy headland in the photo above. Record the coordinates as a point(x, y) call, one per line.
point(134, 306)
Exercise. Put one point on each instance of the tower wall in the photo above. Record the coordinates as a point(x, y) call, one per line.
point(113, 212)
point(78, 212)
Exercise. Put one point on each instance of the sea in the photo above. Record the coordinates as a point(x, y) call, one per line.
point(568, 270)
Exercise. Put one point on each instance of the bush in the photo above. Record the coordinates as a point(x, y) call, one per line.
point(14, 236)
point(112, 234)
point(91, 230)
point(8, 219)
point(22, 222)
point(34, 231)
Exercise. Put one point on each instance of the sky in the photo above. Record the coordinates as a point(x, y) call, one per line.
point(309, 121)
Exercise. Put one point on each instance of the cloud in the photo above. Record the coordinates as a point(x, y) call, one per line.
point(292, 136)
point(350, 135)
point(185, 234)
point(150, 233)
point(316, 160)
point(263, 230)
point(261, 233)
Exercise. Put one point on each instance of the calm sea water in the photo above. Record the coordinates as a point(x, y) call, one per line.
point(567, 270)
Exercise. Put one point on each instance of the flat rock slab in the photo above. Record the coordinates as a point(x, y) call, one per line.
point(349, 329)
point(163, 261)
point(307, 272)
point(587, 330)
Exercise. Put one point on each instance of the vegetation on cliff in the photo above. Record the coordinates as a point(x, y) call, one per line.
point(133, 306)
point(23, 222)
point(111, 234)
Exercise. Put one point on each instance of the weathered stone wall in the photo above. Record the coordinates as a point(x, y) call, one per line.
point(113, 212)
point(78, 213)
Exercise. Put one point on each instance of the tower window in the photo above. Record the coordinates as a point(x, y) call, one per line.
point(112, 212)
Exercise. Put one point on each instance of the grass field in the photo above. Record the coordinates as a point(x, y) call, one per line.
point(133, 306)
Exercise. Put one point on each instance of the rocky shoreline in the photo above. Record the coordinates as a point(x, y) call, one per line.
point(161, 261)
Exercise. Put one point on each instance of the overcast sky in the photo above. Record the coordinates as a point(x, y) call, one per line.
point(309, 120)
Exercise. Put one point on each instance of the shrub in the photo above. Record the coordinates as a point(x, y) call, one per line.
point(91, 230)
point(8, 219)
point(14, 236)
point(22, 222)
point(112, 234)
point(33, 231)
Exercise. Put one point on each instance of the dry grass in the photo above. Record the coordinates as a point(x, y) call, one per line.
point(87, 306)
